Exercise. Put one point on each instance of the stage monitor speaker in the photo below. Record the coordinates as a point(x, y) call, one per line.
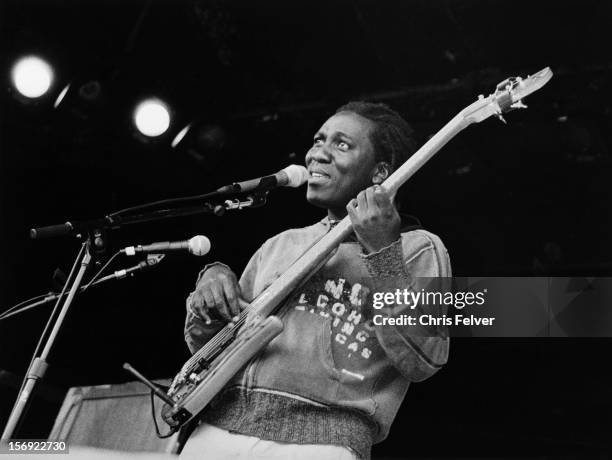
point(114, 417)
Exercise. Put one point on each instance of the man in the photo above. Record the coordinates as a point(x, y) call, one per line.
point(331, 383)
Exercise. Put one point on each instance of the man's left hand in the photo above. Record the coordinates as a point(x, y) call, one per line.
point(374, 218)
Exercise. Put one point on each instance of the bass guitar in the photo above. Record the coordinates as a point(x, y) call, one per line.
point(205, 374)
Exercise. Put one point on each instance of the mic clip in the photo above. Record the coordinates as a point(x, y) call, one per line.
point(253, 200)
point(150, 261)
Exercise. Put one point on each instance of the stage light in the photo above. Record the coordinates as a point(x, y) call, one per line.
point(61, 96)
point(32, 76)
point(181, 134)
point(152, 117)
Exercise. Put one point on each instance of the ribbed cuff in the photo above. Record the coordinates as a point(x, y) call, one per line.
point(386, 262)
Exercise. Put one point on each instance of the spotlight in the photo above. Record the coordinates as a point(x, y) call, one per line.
point(61, 96)
point(32, 76)
point(152, 117)
point(181, 134)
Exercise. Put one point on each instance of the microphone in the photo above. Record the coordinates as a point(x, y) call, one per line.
point(291, 176)
point(198, 246)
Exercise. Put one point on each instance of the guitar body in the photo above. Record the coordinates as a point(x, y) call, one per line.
point(196, 390)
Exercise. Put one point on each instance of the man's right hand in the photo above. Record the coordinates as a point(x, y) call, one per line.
point(218, 290)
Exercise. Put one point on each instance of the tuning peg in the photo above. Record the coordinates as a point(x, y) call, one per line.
point(518, 105)
point(501, 118)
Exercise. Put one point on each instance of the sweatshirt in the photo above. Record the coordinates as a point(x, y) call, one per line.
point(332, 376)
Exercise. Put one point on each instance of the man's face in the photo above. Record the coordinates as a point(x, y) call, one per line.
point(340, 162)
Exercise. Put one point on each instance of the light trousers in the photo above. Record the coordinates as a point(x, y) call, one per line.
point(208, 442)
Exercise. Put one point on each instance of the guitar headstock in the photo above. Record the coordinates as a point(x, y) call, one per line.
point(508, 95)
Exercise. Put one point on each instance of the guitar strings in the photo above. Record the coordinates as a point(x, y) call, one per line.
point(216, 341)
point(224, 334)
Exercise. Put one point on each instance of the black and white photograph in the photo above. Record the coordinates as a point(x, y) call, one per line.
point(343, 229)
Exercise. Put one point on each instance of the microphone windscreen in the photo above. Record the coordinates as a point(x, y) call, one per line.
point(199, 245)
point(297, 175)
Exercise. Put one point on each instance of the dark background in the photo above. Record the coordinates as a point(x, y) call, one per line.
point(528, 198)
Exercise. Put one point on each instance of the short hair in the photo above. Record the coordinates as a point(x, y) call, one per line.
point(392, 137)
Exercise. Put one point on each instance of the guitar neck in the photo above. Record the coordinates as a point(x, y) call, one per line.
point(424, 154)
point(270, 299)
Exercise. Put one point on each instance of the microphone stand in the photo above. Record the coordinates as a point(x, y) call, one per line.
point(39, 363)
point(95, 228)
point(151, 261)
point(117, 220)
